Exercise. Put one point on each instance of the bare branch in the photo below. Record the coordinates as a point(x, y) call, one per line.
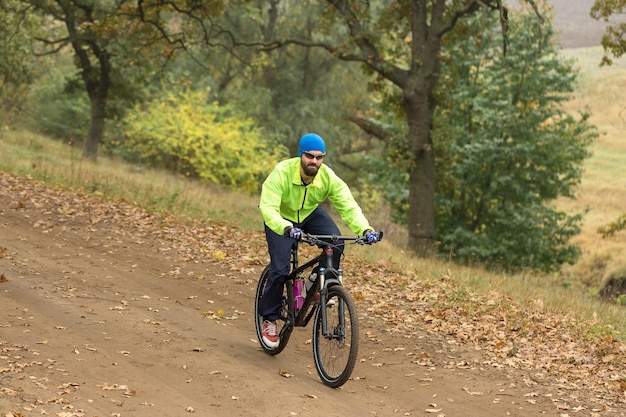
point(60, 44)
point(369, 54)
point(371, 128)
point(536, 9)
point(456, 16)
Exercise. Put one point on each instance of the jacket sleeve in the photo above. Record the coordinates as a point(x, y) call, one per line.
point(271, 197)
point(347, 207)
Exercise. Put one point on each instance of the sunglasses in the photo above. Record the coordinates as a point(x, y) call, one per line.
point(311, 156)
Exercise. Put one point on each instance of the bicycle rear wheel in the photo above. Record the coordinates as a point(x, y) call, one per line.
point(336, 352)
point(284, 325)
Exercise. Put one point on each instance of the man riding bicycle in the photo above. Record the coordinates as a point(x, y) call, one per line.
point(290, 205)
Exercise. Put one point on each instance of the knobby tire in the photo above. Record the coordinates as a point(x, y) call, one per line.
point(335, 357)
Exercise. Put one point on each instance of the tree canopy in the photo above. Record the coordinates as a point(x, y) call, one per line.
point(106, 37)
point(473, 147)
point(508, 149)
point(400, 43)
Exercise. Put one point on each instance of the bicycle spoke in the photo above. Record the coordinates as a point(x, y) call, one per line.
point(335, 353)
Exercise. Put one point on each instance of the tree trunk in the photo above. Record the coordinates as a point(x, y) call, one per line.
point(421, 227)
point(422, 232)
point(96, 75)
point(419, 106)
point(96, 126)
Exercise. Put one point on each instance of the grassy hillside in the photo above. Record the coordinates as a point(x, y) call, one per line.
point(603, 189)
point(603, 193)
point(29, 154)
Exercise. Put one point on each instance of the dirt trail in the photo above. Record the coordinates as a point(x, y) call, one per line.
point(99, 317)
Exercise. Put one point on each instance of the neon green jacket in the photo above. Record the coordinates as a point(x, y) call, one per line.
point(285, 200)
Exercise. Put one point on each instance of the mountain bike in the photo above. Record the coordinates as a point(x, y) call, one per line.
point(335, 330)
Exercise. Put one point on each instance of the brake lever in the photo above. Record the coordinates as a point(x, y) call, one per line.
point(310, 240)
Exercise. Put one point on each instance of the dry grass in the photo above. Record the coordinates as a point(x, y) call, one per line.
point(603, 188)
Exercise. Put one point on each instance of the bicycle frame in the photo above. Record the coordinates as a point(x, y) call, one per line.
point(301, 318)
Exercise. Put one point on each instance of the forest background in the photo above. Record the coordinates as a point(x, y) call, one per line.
point(529, 202)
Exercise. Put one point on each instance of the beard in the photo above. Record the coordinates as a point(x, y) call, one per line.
point(310, 169)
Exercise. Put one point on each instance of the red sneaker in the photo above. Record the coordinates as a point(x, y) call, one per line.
point(270, 336)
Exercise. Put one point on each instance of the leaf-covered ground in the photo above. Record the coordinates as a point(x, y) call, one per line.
point(106, 310)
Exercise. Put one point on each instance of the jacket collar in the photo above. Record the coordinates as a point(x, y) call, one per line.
point(297, 178)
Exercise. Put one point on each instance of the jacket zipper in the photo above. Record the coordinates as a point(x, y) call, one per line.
point(303, 200)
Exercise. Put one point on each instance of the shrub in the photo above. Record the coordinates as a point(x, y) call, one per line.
point(184, 132)
point(614, 286)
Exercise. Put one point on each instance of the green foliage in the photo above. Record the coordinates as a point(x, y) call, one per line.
point(114, 44)
point(508, 149)
point(56, 110)
point(16, 69)
point(292, 90)
point(59, 106)
point(505, 149)
point(184, 132)
point(392, 183)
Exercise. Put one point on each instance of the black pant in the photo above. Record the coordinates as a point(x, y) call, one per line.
point(279, 247)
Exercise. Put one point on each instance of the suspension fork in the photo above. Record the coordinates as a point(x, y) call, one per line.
point(328, 254)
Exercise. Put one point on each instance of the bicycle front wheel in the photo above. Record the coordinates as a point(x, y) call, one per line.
point(335, 352)
point(285, 325)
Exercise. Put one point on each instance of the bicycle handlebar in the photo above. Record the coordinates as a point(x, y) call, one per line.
point(327, 239)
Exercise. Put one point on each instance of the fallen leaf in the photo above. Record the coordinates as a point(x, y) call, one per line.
point(471, 392)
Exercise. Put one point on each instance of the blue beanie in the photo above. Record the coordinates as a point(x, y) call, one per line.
point(311, 142)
